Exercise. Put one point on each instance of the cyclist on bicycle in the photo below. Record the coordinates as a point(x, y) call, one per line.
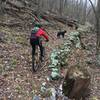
point(36, 34)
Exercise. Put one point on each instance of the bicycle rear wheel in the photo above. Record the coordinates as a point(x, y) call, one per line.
point(36, 63)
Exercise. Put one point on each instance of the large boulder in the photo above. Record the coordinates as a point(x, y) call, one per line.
point(76, 83)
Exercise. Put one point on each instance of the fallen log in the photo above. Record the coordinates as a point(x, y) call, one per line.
point(76, 83)
point(62, 19)
point(10, 24)
point(72, 24)
point(14, 5)
point(14, 12)
point(11, 9)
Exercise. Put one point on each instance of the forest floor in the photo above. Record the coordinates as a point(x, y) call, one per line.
point(17, 82)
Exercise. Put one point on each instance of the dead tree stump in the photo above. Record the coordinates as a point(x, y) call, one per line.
point(76, 83)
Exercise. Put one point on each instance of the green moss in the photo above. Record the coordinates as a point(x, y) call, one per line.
point(13, 62)
point(21, 40)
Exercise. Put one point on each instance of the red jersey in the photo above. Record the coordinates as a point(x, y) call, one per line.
point(41, 32)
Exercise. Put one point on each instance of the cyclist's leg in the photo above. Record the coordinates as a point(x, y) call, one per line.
point(63, 35)
point(33, 50)
point(42, 51)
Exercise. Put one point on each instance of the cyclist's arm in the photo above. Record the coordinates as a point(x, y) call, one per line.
point(45, 36)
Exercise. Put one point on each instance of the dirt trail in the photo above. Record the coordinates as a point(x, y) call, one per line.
point(16, 55)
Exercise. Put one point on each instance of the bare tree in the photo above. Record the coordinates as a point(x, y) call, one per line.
point(84, 13)
point(2, 5)
point(98, 32)
point(61, 7)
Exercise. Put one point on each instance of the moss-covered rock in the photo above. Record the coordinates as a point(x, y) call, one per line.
point(59, 56)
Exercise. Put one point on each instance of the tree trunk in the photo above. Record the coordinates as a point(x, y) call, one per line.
point(2, 5)
point(85, 10)
point(61, 7)
point(98, 33)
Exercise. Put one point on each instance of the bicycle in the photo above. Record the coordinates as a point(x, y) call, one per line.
point(36, 61)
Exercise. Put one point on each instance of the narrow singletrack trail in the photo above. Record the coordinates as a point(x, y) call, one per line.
point(20, 79)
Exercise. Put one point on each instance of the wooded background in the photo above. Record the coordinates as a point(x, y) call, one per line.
point(80, 10)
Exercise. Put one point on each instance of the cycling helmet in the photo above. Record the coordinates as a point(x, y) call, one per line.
point(38, 25)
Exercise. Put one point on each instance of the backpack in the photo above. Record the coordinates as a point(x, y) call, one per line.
point(34, 39)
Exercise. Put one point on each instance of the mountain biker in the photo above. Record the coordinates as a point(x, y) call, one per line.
point(35, 39)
